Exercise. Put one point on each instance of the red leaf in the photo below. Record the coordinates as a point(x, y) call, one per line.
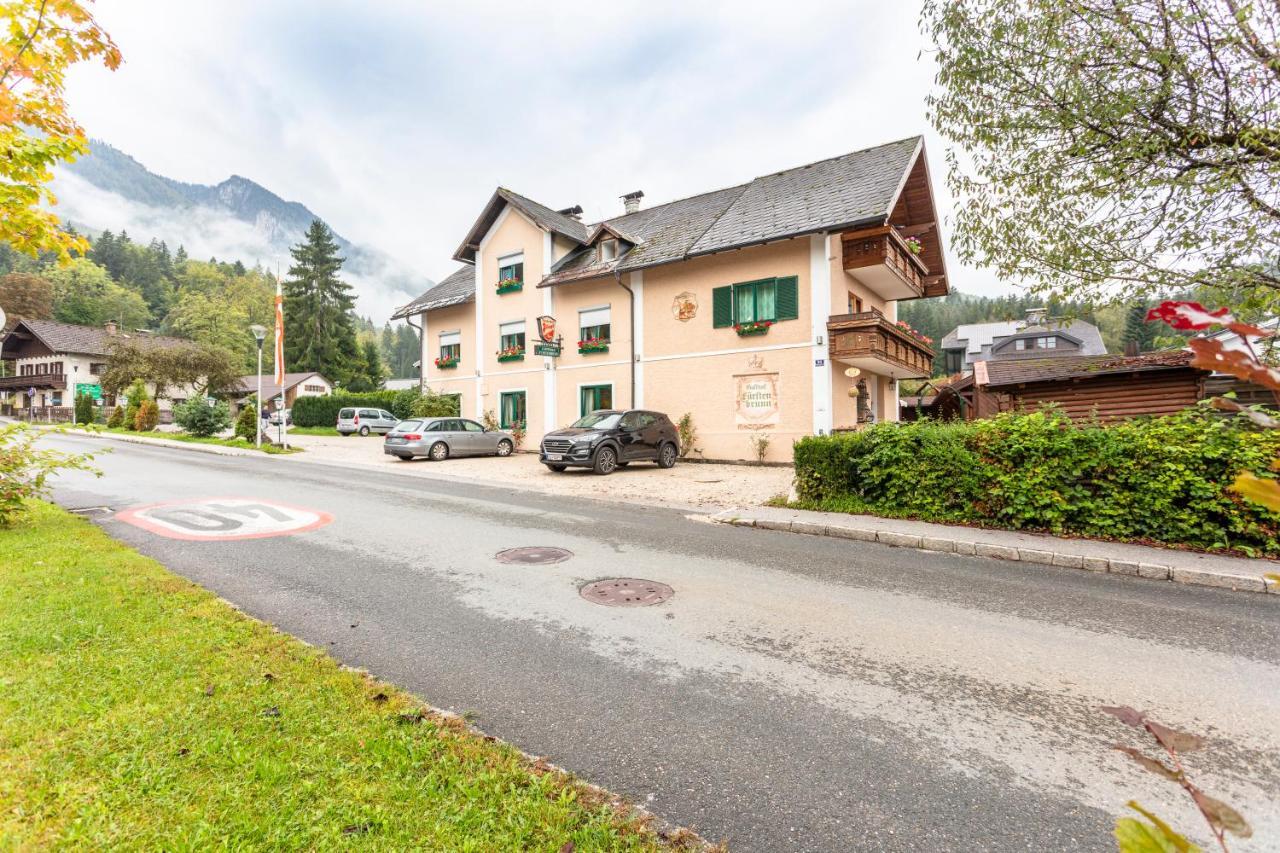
point(1221, 814)
point(1212, 355)
point(1148, 763)
point(1189, 316)
point(1174, 739)
point(1125, 714)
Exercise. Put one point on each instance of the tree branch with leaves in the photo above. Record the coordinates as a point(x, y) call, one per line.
point(1111, 145)
point(41, 39)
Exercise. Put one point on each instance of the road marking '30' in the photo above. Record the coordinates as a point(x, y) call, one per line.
point(223, 519)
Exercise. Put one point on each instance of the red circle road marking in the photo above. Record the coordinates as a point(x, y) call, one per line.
point(223, 519)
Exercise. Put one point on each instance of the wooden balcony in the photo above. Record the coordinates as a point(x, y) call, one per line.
point(870, 342)
point(880, 259)
point(56, 381)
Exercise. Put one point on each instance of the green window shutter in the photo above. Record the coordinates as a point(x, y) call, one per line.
point(722, 307)
point(788, 298)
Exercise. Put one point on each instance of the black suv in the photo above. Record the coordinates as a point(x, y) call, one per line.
point(609, 439)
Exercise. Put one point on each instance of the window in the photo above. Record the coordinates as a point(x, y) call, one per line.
point(511, 268)
point(57, 399)
point(1047, 343)
point(97, 368)
point(314, 389)
point(855, 304)
point(593, 324)
point(1020, 344)
point(347, 414)
point(438, 426)
point(513, 411)
point(766, 299)
point(953, 360)
point(56, 368)
point(450, 346)
point(608, 250)
point(369, 413)
point(511, 336)
point(631, 420)
point(470, 426)
point(595, 397)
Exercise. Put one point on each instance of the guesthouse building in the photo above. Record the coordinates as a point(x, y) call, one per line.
point(765, 308)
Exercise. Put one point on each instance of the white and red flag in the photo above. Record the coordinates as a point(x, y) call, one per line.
point(279, 335)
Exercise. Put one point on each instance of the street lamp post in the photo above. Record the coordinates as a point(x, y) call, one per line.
point(259, 335)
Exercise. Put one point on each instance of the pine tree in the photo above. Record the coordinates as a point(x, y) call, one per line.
point(320, 332)
point(180, 257)
point(1136, 328)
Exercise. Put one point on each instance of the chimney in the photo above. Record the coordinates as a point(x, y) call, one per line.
point(574, 212)
point(631, 201)
point(1037, 316)
point(112, 328)
point(1131, 348)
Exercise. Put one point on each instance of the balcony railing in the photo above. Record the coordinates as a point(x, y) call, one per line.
point(39, 381)
point(870, 341)
point(880, 259)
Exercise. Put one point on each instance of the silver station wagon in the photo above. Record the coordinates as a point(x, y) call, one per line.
point(439, 438)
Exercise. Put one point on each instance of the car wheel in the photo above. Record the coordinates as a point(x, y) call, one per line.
point(606, 461)
point(364, 430)
point(559, 469)
point(504, 448)
point(667, 456)
point(439, 451)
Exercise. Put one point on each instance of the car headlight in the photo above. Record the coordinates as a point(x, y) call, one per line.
point(586, 439)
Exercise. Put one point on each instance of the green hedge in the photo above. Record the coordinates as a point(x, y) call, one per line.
point(323, 411)
point(1162, 479)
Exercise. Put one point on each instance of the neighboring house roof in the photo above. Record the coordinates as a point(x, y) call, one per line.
point(972, 337)
point(983, 339)
point(249, 384)
point(85, 340)
point(455, 289)
point(1002, 373)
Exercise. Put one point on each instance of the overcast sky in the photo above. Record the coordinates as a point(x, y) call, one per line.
point(396, 120)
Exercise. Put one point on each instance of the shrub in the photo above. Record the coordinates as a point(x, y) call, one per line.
point(200, 419)
point(323, 411)
point(117, 418)
point(489, 421)
point(137, 395)
point(402, 404)
point(84, 409)
point(148, 417)
point(688, 435)
point(1163, 479)
point(25, 469)
point(432, 405)
point(760, 442)
point(247, 423)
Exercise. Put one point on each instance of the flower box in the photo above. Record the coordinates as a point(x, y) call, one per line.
point(593, 345)
point(510, 285)
point(511, 355)
point(446, 363)
point(746, 329)
point(922, 338)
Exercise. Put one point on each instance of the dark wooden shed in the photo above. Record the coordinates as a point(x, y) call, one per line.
point(1111, 386)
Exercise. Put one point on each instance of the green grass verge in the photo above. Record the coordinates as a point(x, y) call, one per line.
point(138, 711)
point(191, 439)
point(316, 430)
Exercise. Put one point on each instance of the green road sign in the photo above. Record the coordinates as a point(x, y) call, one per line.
point(552, 350)
point(92, 389)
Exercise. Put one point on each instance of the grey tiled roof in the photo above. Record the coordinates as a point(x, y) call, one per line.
point(88, 340)
point(457, 288)
point(842, 191)
point(546, 217)
point(1000, 373)
point(667, 232)
point(1086, 333)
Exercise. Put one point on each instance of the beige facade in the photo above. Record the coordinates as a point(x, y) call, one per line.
point(680, 353)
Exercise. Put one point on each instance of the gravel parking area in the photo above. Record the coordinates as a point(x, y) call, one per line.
point(700, 485)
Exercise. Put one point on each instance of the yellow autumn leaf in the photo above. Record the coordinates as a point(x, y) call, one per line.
point(1258, 490)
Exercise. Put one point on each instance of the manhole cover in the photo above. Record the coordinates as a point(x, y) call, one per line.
point(626, 592)
point(534, 555)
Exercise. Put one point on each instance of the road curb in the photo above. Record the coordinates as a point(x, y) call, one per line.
point(161, 442)
point(978, 548)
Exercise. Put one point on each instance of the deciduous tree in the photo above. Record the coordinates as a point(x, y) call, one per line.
point(41, 39)
point(1108, 145)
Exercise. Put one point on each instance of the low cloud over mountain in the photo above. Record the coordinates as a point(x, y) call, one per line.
point(237, 219)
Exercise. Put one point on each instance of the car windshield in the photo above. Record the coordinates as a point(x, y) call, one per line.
point(598, 420)
point(347, 414)
point(407, 426)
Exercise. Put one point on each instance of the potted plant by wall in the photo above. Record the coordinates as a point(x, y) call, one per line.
point(588, 345)
point(447, 362)
point(913, 244)
point(922, 338)
point(511, 354)
point(756, 327)
point(509, 285)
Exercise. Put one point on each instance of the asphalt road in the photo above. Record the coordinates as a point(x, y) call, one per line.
point(796, 693)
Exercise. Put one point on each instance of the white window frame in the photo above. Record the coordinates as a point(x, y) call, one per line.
point(612, 255)
point(582, 320)
point(451, 338)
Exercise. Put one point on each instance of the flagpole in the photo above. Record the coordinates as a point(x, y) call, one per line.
point(284, 431)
